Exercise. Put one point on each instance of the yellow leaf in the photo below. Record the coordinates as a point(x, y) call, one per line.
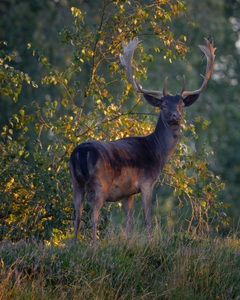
point(22, 112)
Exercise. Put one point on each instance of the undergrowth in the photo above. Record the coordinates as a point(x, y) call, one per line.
point(175, 266)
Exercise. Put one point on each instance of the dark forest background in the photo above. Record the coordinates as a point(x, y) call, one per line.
point(42, 36)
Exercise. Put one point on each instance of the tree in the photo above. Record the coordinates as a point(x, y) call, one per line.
point(96, 101)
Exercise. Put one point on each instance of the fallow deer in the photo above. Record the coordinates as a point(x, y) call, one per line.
point(117, 170)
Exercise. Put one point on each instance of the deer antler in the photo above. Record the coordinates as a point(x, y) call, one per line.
point(126, 60)
point(208, 51)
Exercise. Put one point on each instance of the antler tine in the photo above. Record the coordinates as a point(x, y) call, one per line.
point(184, 84)
point(165, 86)
point(126, 61)
point(208, 51)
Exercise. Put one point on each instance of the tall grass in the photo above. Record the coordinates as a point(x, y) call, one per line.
point(174, 267)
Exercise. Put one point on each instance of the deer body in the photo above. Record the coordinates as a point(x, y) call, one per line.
point(117, 170)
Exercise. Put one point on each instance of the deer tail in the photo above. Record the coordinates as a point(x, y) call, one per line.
point(83, 161)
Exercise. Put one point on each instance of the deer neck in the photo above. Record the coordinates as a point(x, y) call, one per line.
point(165, 137)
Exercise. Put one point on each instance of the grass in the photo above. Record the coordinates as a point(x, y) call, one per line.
point(176, 266)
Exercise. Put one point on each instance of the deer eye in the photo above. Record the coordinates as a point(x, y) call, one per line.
point(164, 106)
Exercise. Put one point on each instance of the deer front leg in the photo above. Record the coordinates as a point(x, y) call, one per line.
point(128, 208)
point(147, 205)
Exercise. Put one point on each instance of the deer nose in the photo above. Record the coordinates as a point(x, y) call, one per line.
point(176, 116)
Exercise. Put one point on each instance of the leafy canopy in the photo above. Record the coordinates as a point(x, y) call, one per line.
point(96, 102)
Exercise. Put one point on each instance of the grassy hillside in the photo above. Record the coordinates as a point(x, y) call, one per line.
point(174, 267)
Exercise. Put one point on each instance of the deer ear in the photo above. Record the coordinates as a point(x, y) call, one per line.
point(189, 100)
point(152, 100)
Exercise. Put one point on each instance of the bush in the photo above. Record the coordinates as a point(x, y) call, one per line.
point(96, 102)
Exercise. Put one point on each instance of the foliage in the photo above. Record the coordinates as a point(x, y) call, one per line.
point(177, 266)
point(11, 79)
point(195, 185)
point(34, 177)
point(221, 100)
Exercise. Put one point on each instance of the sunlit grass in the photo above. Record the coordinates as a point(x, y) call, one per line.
point(176, 266)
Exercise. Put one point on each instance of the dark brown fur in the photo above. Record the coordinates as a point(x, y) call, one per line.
point(117, 170)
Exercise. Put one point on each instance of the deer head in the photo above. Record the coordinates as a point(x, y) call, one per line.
point(171, 106)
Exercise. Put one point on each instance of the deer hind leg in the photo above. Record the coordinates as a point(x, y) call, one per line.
point(96, 208)
point(128, 208)
point(147, 205)
point(78, 198)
